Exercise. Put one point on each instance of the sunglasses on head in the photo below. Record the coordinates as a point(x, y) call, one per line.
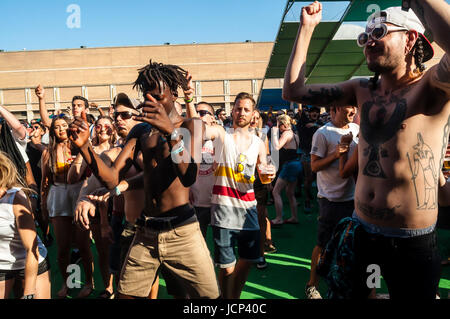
point(124, 115)
point(203, 113)
point(60, 116)
point(378, 33)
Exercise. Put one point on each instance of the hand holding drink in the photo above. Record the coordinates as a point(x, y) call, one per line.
point(266, 172)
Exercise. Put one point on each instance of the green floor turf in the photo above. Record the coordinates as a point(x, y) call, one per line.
point(288, 269)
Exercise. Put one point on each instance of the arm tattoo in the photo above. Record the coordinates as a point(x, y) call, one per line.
point(324, 96)
point(377, 213)
point(423, 167)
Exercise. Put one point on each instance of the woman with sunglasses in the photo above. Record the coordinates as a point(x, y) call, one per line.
point(58, 199)
point(104, 139)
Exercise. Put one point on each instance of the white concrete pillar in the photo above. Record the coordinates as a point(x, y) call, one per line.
point(84, 92)
point(198, 91)
point(112, 93)
point(226, 92)
point(56, 98)
point(30, 114)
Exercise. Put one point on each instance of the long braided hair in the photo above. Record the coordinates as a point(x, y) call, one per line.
point(418, 55)
point(9, 147)
point(152, 75)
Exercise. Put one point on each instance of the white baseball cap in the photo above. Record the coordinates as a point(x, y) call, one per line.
point(406, 19)
point(123, 99)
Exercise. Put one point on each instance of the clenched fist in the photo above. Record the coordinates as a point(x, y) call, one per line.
point(40, 92)
point(311, 15)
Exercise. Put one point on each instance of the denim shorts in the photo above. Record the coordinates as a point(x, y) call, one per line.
point(291, 170)
point(225, 240)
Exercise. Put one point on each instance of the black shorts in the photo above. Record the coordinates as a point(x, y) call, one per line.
point(330, 213)
point(411, 266)
point(261, 192)
point(20, 273)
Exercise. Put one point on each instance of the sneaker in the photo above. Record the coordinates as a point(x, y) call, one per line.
point(262, 264)
point(269, 249)
point(312, 293)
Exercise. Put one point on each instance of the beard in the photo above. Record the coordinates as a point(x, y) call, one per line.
point(242, 122)
point(383, 62)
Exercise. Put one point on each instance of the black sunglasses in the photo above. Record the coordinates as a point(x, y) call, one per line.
point(203, 113)
point(124, 115)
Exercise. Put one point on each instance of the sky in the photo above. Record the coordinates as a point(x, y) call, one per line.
point(42, 25)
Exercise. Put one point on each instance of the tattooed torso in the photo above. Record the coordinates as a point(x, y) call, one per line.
point(402, 135)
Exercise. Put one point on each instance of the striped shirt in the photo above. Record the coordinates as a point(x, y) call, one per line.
point(233, 197)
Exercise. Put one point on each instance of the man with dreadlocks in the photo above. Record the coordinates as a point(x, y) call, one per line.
point(399, 104)
point(168, 233)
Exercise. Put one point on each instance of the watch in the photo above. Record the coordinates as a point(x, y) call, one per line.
point(31, 296)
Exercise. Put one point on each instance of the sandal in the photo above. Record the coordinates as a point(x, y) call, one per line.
point(291, 221)
point(273, 223)
point(105, 294)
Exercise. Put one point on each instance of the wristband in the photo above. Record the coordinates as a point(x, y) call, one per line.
point(190, 100)
point(116, 191)
point(180, 149)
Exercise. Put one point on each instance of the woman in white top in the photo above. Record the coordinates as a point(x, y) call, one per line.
point(22, 254)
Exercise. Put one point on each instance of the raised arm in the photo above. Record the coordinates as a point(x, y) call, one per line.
point(435, 17)
point(294, 88)
point(108, 176)
point(40, 93)
point(17, 128)
point(285, 138)
point(191, 112)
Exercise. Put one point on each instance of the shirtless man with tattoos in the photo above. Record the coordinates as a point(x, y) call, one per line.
point(404, 131)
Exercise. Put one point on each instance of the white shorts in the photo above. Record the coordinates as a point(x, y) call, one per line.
point(62, 199)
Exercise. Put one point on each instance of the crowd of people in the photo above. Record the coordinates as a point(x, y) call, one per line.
point(146, 181)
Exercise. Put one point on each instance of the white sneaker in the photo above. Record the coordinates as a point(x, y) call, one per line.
point(312, 293)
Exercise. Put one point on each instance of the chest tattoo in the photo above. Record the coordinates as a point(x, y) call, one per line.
point(378, 131)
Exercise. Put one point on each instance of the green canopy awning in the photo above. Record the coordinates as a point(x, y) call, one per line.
point(329, 60)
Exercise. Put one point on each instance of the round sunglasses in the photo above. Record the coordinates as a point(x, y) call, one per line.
point(378, 33)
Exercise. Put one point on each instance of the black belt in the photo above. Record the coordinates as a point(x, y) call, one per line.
point(163, 224)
